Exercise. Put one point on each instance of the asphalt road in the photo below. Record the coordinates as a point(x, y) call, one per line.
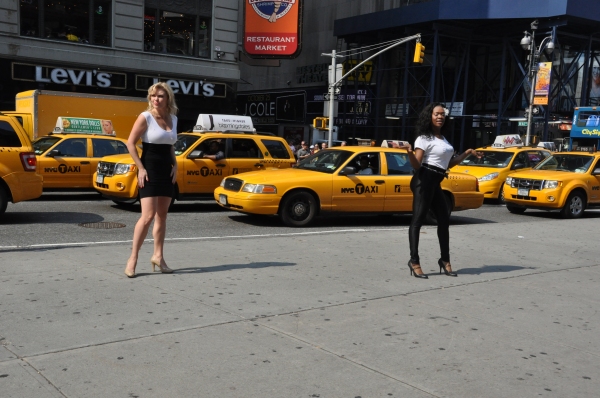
point(74, 218)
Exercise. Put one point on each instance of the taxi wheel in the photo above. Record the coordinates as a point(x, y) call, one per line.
point(575, 206)
point(3, 200)
point(298, 209)
point(515, 209)
point(501, 199)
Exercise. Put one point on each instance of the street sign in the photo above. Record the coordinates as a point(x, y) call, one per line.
point(522, 124)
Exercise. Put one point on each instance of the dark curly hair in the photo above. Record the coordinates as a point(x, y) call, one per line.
point(423, 126)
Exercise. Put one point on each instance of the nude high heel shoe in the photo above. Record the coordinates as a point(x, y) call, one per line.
point(129, 273)
point(163, 268)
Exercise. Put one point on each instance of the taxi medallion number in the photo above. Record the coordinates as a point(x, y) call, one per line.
point(223, 199)
point(523, 192)
point(99, 179)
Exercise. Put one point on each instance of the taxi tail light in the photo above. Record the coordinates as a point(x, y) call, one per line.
point(28, 160)
point(477, 185)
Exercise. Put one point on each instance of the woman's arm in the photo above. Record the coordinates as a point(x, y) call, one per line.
point(137, 130)
point(457, 159)
point(415, 157)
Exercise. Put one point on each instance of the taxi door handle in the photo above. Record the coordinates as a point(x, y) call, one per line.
point(220, 165)
point(379, 182)
point(258, 165)
point(84, 162)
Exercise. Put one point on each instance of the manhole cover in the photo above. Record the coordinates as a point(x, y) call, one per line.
point(102, 225)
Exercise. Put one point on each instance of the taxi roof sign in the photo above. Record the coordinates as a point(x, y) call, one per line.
point(65, 125)
point(507, 141)
point(224, 123)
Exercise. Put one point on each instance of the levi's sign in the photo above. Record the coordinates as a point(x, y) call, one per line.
point(181, 86)
point(71, 76)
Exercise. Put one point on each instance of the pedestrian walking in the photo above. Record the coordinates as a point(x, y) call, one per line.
point(432, 157)
point(157, 172)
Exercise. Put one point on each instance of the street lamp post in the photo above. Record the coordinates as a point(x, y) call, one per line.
point(528, 43)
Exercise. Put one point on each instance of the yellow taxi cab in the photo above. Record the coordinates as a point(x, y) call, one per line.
point(491, 165)
point(566, 181)
point(67, 158)
point(241, 150)
point(18, 178)
point(340, 179)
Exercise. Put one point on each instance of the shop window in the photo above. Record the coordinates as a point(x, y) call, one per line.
point(75, 21)
point(169, 32)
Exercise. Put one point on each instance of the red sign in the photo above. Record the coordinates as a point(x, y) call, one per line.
point(272, 28)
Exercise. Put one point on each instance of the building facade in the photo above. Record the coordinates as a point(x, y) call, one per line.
point(474, 63)
point(121, 47)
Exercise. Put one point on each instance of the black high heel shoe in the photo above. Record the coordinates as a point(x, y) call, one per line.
point(412, 271)
point(443, 267)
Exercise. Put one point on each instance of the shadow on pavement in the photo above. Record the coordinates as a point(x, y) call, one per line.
point(221, 268)
point(177, 207)
point(490, 268)
point(60, 217)
point(349, 220)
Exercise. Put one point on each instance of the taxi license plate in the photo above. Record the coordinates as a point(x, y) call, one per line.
point(100, 179)
point(223, 199)
point(523, 192)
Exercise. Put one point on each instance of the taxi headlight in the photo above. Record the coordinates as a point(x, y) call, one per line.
point(550, 184)
point(121, 168)
point(488, 177)
point(259, 188)
point(509, 181)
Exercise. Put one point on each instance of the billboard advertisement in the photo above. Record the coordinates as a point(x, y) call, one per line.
point(272, 29)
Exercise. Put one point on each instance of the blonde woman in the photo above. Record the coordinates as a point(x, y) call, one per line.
point(157, 171)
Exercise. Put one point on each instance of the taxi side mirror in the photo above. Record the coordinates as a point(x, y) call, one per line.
point(53, 153)
point(518, 166)
point(348, 170)
point(197, 154)
point(596, 171)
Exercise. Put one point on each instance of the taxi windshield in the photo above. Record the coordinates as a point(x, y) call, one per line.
point(568, 163)
point(493, 159)
point(42, 144)
point(184, 141)
point(325, 161)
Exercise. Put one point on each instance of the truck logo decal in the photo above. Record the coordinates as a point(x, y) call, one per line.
point(205, 172)
point(359, 189)
point(193, 172)
point(596, 188)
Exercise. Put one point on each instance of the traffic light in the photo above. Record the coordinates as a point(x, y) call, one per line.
point(321, 123)
point(419, 53)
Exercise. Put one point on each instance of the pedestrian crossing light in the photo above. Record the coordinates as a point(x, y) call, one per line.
point(321, 123)
point(419, 53)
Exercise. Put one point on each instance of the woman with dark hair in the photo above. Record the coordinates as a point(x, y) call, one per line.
point(432, 156)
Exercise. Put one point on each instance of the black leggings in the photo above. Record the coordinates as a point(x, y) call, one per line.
point(427, 194)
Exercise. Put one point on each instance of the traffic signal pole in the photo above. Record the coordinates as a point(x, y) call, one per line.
point(333, 83)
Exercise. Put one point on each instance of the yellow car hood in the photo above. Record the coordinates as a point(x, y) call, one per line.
point(122, 158)
point(476, 171)
point(546, 175)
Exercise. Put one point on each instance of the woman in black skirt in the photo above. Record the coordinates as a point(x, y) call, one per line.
point(157, 171)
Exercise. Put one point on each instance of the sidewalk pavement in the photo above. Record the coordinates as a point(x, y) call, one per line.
point(309, 315)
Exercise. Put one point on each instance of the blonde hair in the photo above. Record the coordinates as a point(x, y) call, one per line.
point(171, 105)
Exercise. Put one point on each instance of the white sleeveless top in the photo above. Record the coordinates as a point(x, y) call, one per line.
point(437, 152)
point(154, 134)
